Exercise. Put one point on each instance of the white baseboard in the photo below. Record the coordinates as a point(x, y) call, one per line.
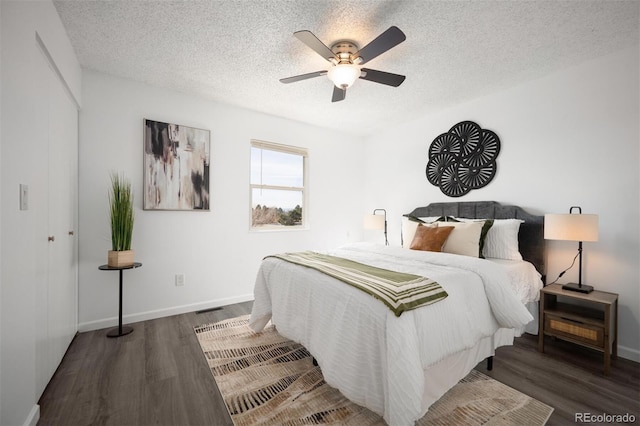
point(160, 313)
point(34, 416)
point(628, 353)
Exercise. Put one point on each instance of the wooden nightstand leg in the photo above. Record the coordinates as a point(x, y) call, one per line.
point(540, 341)
point(541, 323)
point(607, 339)
point(615, 330)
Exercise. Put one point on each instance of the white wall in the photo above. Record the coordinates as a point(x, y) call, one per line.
point(571, 138)
point(0, 213)
point(22, 161)
point(215, 250)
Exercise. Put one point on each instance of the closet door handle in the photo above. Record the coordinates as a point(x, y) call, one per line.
point(70, 232)
point(51, 238)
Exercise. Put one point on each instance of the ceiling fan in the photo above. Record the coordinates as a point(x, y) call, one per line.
point(346, 61)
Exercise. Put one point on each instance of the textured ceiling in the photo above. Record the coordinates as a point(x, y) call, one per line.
point(236, 51)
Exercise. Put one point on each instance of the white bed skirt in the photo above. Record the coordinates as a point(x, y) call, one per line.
point(442, 376)
point(532, 327)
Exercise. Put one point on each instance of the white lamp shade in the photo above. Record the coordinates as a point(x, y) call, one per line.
point(373, 221)
point(343, 75)
point(571, 227)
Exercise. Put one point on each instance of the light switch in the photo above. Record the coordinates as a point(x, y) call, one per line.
point(180, 280)
point(24, 197)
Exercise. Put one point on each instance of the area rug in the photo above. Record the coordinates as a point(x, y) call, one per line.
point(265, 378)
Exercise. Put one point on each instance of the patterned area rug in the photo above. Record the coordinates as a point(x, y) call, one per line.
point(267, 379)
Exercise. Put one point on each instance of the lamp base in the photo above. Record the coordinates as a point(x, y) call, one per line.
point(581, 288)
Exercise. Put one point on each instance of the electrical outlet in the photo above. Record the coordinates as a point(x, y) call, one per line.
point(179, 280)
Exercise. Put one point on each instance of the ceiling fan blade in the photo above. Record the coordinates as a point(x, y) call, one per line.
point(302, 77)
point(338, 94)
point(385, 41)
point(382, 77)
point(308, 38)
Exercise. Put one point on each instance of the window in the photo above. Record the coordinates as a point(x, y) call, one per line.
point(277, 186)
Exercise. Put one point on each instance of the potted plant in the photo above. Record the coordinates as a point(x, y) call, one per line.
point(121, 212)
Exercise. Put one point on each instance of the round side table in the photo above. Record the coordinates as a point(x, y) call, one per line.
point(120, 330)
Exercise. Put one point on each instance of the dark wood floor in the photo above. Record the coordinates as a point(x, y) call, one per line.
point(157, 376)
point(569, 378)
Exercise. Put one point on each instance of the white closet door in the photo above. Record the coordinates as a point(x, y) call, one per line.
point(39, 203)
point(57, 299)
point(63, 144)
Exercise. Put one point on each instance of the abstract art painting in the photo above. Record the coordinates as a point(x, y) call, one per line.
point(176, 167)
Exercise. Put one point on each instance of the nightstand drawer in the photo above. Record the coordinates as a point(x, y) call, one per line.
point(576, 330)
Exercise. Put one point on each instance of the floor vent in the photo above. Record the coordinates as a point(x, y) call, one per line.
point(209, 310)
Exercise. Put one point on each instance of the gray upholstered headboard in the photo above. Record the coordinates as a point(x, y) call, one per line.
point(530, 238)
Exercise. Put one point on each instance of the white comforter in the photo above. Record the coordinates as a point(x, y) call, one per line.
point(374, 358)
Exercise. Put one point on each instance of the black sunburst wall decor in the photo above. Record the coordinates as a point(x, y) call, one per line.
point(463, 159)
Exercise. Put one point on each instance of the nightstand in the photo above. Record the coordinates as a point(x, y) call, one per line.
point(590, 320)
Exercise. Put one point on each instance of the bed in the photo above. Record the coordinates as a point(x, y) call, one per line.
point(397, 366)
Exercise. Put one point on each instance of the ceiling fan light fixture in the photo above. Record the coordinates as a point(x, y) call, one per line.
point(343, 75)
point(346, 60)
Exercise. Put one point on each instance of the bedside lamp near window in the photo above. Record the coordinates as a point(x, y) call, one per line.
point(375, 221)
point(573, 227)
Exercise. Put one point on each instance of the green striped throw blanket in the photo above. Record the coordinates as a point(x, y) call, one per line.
point(399, 291)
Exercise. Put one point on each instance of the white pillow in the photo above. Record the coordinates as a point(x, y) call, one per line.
point(464, 239)
point(502, 240)
point(409, 229)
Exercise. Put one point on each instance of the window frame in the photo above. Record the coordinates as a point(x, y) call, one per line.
point(287, 149)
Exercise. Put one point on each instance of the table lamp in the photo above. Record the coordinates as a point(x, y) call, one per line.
point(376, 221)
point(573, 227)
